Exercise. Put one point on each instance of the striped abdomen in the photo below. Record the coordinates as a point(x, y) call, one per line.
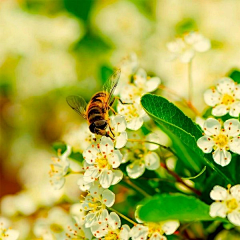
point(96, 109)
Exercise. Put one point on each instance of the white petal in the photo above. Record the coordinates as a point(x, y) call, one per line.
point(78, 213)
point(157, 236)
point(152, 137)
point(141, 74)
point(212, 97)
point(237, 91)
point(206, 144)
point(58, 182)
point(124, 232)
point(117, 176)
point(90, 154)
point(119, 123)
point(152, 161)
point(232, 127)
point(222, 157)
point(235, 191)
point(211, 127)
point(152, 84)
point(225, 85)
point(115, 158)
point(99, 229)
point(121, 140)
point(90, 220)
point(218, 193)
point(220, 110)
point(114, 221)
point(135, 169)
point(169, 227)
point(139, 232)
point(234, 145)
point(202, 45)
point(106, 178)
point(91, 174)
point(218, 209)
point(187, 56)
point(234, 218)
point(135, 123)
point(96, 190)
point(106, 145)
point(83, 186)
point(235, 109)
point(11, 234)
point(108, 197)
point(104, 215)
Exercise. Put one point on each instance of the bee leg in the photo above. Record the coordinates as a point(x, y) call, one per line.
point(112, 110)
point(118, 98)
point(102, 132)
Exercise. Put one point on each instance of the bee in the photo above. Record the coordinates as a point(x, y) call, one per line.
point(97, 110)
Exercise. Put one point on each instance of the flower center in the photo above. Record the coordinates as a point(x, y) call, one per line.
point(102, 163)
point(232, 204)
point(95, 205)
point(227, 99)
point(112, 235)
point(56, 228)
point(221, 140)
point(153, 228)
point(138, 153)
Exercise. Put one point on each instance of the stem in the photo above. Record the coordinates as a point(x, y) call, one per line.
point(123, 216)
point(135, 187)
point(190, 82)
point(179, 179)
point(160, 145)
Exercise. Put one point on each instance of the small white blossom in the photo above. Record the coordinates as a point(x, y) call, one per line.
point(133, 114)
point(221, 140)
point(96, 202)
point(227, 203)
point(6, 232)
point(54, 226)
point(141, 157)
point(111, 228)
point(225, 98)
point(154, 231)
point(186, 47)
point(59, 169)
point(102, 162)
point(118, 126)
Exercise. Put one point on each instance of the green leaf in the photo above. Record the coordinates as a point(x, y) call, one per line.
point(79, 8)
point(235, 75)
point(181, 129)
point(59, 146)
point(174, 206)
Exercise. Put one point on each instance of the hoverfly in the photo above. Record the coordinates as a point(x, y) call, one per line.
point(96, 111)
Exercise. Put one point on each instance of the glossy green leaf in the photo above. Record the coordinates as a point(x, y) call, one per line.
point(181, 129)
point(174, 206)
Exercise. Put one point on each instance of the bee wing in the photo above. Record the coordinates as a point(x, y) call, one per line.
point(78, 104)
point(111, 84)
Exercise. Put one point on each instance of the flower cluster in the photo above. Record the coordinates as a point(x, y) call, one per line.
point(186, 47)
point(227, 203)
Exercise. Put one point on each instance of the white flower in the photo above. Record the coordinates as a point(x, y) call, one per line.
point(110, 228)
point(185, 48)
point(7, 233)
point(95, 204)
point(220, 140)
point(118, 126)
point(141, 157)
point(54, 226)
point(227, 203)
point(133, 114)
point(154, 231)
point(225, 98)
point(78, 213)
point(141, 84)
point(102, 162)
point(79, 231)
point(59, 169)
